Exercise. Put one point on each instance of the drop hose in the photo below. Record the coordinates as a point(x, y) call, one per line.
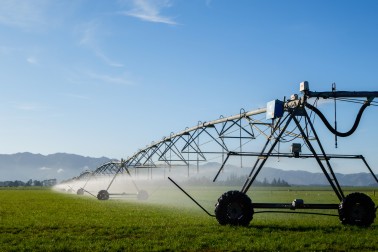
point(329, 126)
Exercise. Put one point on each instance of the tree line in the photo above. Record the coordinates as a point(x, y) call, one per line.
point(234, 180)
point(30, 182)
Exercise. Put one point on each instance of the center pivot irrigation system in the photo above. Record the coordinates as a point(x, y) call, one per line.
point(108, 170)
point(236, 137)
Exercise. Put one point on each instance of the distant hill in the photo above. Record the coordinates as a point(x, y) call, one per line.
point(309, 178)
point(25, 166)
point(294, 177)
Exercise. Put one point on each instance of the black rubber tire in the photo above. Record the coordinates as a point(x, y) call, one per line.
point(103, 195)
point(234, 208)
point(80, 191)
point(357, 209)
point(142, 195)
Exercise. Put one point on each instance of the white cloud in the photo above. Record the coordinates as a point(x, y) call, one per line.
point(23, 13)
point(88, 31)
point(60, 170)
point(88, 77)
point(110, 79)
point(26, 106)
point(89, 39)
point(45, 169)
point(78, 96)
point(36, 15)
point(8, 50)
point(149, 10)
point(106, 59)
point(32, 61)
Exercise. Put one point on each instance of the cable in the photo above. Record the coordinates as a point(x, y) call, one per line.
point(357, 101)
point(330, 128)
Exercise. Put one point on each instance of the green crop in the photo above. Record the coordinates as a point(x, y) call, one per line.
point(44, 220)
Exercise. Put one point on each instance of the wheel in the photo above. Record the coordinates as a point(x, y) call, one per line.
point(103, 195)
point(142, 195)
point(357, 209)
point(234, 208)
point(80, 191)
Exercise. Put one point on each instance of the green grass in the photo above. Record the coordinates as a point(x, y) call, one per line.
point(43, 220)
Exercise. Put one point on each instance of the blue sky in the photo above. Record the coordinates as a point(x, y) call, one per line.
point(105, 78)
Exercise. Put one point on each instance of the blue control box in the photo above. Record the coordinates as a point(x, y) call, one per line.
point(274, 109)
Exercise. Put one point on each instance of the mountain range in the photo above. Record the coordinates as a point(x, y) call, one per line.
point(298, 177)
point(25, 166)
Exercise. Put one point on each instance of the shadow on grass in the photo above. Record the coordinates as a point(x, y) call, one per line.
point(299, 228)
point(309, 227)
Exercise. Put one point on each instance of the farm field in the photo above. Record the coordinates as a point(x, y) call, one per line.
point(45, 220)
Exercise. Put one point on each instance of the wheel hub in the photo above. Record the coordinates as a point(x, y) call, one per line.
point(234, 211)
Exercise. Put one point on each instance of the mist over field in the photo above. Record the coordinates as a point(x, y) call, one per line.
point(62, 166)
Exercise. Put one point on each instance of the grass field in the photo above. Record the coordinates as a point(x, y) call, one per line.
point(44, 220)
